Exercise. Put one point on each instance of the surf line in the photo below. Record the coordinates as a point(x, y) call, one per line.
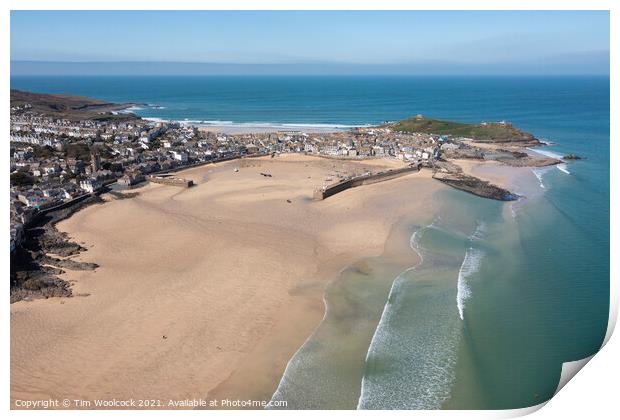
point(413, 244)
point(470, 265)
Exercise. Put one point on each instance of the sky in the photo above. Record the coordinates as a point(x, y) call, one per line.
point(338, 42)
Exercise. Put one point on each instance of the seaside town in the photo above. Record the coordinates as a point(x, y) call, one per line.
point(307, 208)
point(56, 161)
point(66, 151)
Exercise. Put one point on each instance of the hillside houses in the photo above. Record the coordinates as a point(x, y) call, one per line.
point(53, 161)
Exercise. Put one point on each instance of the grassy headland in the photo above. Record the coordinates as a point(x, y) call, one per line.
point(490, 132)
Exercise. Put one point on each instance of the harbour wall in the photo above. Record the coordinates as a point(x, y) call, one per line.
point(323, 193)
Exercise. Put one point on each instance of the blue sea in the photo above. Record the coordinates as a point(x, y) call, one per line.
point(501, 298)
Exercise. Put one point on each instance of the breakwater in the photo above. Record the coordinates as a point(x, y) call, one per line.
point(475, 186)
point(335, 188)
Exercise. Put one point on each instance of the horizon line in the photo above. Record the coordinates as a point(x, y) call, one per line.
point(445, 75)
point(307, 68)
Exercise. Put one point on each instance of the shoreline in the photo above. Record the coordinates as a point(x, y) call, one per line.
point(232, 128)
point(331, 247)
point(456, 173)
point(221, 284)
point(355, 301)
point(212, 294)
point(256, 128)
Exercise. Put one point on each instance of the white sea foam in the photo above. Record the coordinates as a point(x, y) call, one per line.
point(417, 358)
point(547, 142)
point(324, 125)
point(538, 173)
point(245, 126)
point(216, 122)
point(433, 362)
point(282, 126)
point(562, 167)
point(545, 152)
point(130, 109)
point(154, 119)
point(479, 232)
point(414, 243)
point(470, 265)
point(187, 121)
point(295, 361)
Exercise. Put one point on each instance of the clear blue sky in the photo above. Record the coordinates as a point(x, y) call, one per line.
point(533, 41)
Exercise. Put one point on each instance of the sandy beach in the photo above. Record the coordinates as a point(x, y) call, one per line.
point(255, 128)
point(205, 292)
point(521, 180)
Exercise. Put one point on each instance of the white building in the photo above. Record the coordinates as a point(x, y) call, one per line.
point(90, 185)
point(180, 156)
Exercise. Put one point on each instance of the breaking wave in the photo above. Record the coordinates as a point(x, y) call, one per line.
point(539, 172)
point(413, 352)
point(561, 167)
point(545, 152)
point(471, 265)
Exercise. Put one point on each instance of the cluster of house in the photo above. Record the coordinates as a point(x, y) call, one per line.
point(128, 151)
point(56, 133)
point(375, 142)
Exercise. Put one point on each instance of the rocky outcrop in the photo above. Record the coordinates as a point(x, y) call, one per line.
point(529, 161)
point(572, 156)
point(475, 186)
point(463, 152)
point(44, 255)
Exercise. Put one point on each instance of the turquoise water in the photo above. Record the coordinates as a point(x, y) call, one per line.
point(501, 299)
point(413, 359)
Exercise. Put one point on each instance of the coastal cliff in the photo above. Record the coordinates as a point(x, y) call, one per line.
point(70, 107)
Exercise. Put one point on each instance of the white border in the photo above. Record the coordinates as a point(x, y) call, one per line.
point(592, 394)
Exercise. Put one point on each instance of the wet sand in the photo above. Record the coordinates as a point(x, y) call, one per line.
point(509, 177)
point(204, 292)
